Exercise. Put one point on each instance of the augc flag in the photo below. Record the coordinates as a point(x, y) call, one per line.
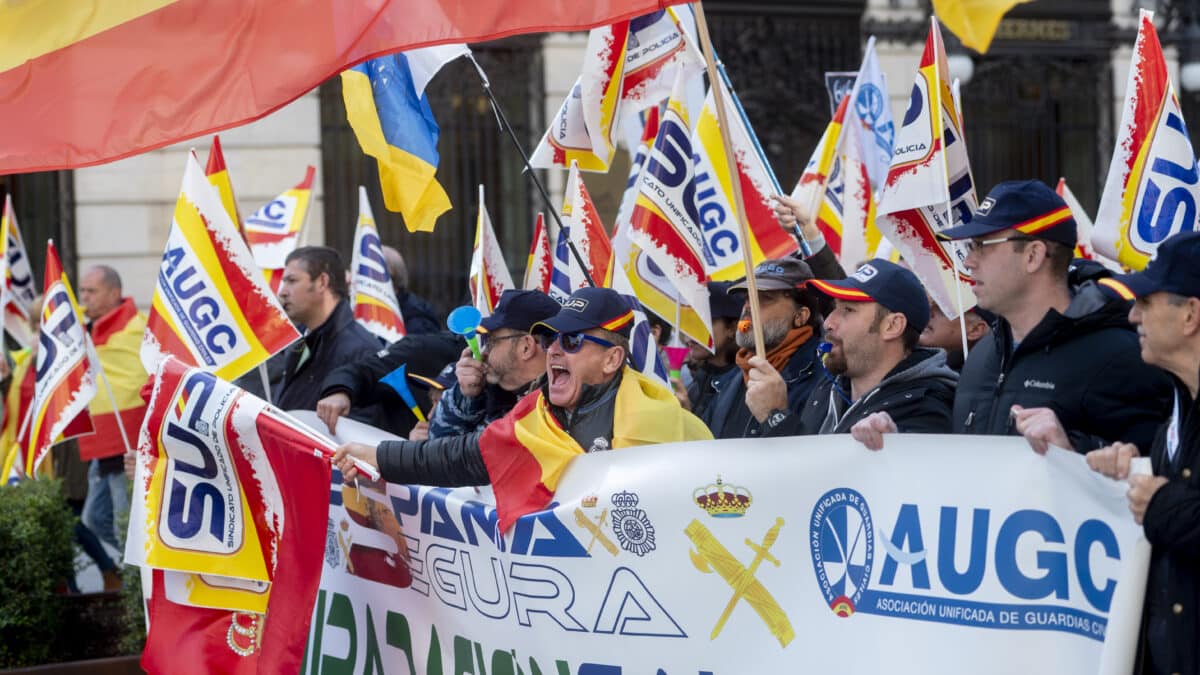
point(665, 223)
point(65, 381)
point(223, 516)
point(19, 287)
point(716, 209)
point(539, 264)
point(1153, 185)
point(274, 230)
point(489, 273)
point(211, 308)
point(371, 292)
point(929, 186)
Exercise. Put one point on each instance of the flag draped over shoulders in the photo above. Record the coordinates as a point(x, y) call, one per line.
point(527, 450)
point(118, 339)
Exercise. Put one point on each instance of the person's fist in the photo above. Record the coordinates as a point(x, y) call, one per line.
point(1040, 426)
point(471, 374)
point(345, 456)
point(765, 389)
point(1141, 491)
point(333, 406)
point(420, 431)
point(870, 430)
point(1113, 460)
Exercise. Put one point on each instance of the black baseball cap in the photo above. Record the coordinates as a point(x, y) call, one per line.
point(886, 283)
point(1173, 268)
point(1029, 206)
point(777, 274)
point(721, 303)
point(519, 310)
point(590, 308)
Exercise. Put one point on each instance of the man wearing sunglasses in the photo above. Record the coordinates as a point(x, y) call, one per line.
point(513, 363)
point(1061, 365)
point(591, 401)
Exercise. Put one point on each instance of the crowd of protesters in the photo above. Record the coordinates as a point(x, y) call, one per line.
point(1058, 350)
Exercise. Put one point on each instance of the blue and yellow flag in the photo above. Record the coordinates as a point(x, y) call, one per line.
point(395, 125)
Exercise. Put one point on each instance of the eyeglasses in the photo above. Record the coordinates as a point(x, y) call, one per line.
point(572, 342)
point(976, 245)
point(486, 340)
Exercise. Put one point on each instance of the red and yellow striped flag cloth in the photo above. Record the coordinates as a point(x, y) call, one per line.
point(526, 451)
point(118, 339)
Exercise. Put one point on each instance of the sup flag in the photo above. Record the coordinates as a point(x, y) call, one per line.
point(1083, 248)
point(643, 349)
point(929, 186)
point(218, 175)
point(539, 263)
point(19, 286)
point(65, 381)
point(586, 231)
point(822, 186)
point(665, 223)
point(715, 203)
point(211, 307)
point(274, 230)
point(489, 273)
point(371, 293)
point(560, 266)
point(583, 131)
point(1153, 185)
point(223, 516)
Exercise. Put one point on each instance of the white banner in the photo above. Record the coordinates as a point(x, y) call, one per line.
point(939, 554)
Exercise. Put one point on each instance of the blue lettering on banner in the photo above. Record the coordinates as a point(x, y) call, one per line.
point(372, 263)
point(196, 307)
point(841, 534)
point(272, 216)
point(1162, 209)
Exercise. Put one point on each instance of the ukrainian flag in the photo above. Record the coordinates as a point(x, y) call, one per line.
point(395, 125)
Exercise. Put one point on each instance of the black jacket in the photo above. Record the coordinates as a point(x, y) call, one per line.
point(706, 383)
point(918, 394)
point(419, 316)
point(456, 461)
point(425, 354)
point(728, 416)
point(1172, 525)
point(339, 340)
point(1085, 364)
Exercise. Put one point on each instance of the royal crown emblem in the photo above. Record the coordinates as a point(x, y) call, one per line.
point(722, 500)
point(589, 502)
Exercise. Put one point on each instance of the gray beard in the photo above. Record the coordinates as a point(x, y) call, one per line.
point(774, 333)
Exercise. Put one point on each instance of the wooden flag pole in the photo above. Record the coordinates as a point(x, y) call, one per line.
point(710, 64)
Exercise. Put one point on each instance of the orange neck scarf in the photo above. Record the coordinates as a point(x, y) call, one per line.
point(779, 356)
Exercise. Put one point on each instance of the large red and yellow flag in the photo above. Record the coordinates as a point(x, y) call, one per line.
point(586, 231)
point(147, 74)
point(1152, 188)
point(527, 450)
point(117, 337)
point(929, 187)
point(65, 381)
point(18, 287)
point(223, 516)
point(371, 292)
point(489, 276)
point(973, 21)
point(274, 230)
point(211, 307)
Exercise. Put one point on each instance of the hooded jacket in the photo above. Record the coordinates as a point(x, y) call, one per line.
point(728, 417)
point(1084, 363)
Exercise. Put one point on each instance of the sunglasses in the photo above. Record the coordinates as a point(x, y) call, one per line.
point(572, 342)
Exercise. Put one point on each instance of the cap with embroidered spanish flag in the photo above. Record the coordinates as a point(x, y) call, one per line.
point(1173, 269)
point(894, 287)
point(589, 308)
point(1028, 206)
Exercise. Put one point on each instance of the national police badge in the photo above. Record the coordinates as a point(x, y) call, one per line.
point(631, 524)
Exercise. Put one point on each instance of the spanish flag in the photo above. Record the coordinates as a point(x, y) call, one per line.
point(526, 451)
point(118, 339)
point(974, 21)
point(148, 74)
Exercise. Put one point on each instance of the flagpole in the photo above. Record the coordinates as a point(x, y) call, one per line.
point(266, 381)
point(936, 31)
point(502, 120)
point(739, 200)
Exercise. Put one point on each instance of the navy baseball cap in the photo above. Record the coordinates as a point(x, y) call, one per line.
point(886, 283)
point(590, 308)
point(1029, 206)
point(721, 303)
point(1173, 269)
point(519, 310)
